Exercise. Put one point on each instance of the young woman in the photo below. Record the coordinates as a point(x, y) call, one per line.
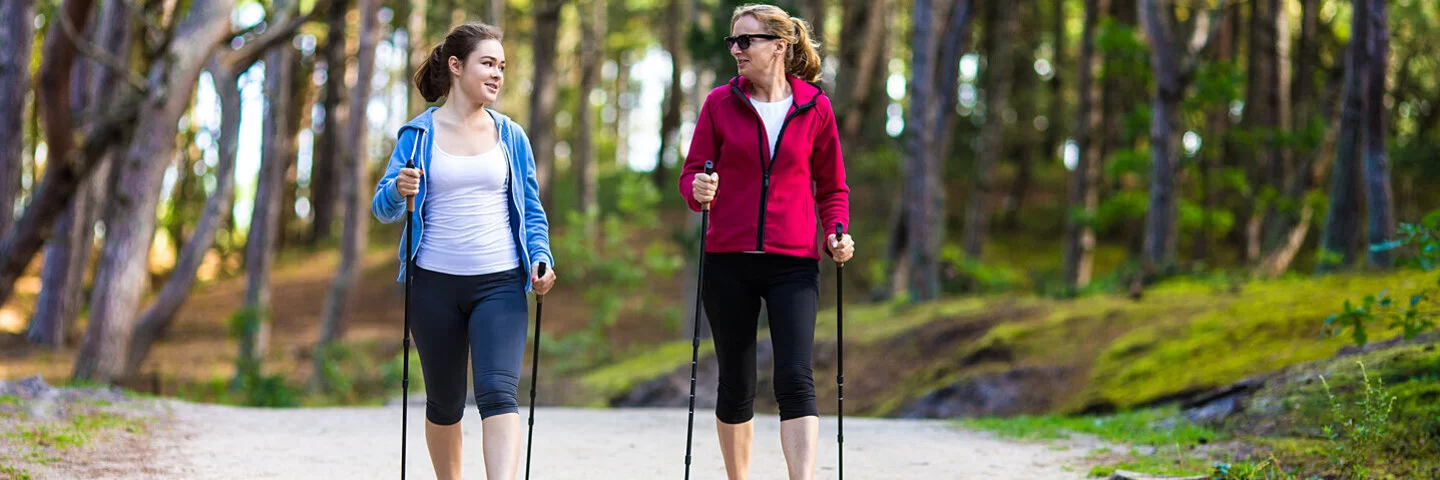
point(479, 229)
point(772, 135)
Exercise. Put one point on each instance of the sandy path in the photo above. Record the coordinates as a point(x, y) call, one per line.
point(208, 441)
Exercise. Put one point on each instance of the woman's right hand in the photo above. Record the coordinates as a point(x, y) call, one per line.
point(408, 183)
point(704, 187)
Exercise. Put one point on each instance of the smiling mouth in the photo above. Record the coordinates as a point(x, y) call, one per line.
point(493, 86)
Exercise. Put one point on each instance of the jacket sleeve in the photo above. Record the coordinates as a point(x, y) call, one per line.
point(536, 225)
point(387, 205)
point(827, 170)
point(704, 145)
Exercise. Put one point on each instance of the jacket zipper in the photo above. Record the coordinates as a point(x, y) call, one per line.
point(766, 169)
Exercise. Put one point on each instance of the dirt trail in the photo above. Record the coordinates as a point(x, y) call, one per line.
point(221, 442)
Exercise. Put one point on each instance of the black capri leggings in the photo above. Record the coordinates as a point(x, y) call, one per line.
point(734, 285)
point(484, 314)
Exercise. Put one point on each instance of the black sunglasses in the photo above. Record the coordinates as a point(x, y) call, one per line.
point(744, 40)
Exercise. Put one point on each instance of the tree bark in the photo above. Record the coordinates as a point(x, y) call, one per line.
point(265, 215)
point(1379, 198)
point(592, 26)
point(1079, 234)
point(16, 20)
point(67, 255)
point(157, 318)
point(1173, 64)
point(52, 89)
point(542, 96)
point(674, 94)
point(867, 25)
point(325, 175)
point(130, 216)
point(355, 155)
point(925, 274)
point(999, 68)
point(1342, 219)
point(496, 14)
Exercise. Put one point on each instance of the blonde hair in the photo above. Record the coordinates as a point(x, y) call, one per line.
point(803, 58)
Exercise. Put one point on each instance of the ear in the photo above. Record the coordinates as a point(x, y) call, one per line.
point(456, 66)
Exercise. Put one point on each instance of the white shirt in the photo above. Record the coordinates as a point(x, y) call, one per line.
point(773, 115)
point(467, 216)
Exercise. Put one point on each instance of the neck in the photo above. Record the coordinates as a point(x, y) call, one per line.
point(467, 111)
point(771, 88)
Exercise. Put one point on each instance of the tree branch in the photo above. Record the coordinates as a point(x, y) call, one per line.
point(238, 60)
point(94, 52)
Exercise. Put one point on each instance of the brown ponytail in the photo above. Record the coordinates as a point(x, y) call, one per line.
point(803, 58)
point(432, 78)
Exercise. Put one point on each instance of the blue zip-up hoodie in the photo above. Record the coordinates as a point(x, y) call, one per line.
point(528, 225)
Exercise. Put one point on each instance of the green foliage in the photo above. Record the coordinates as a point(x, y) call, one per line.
point(1413, 316)
point(608, 253)
point(1125, 51)
point(1360, 431)
point(1160, 427)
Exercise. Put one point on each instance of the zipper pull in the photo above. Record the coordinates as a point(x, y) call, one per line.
point(767, 179)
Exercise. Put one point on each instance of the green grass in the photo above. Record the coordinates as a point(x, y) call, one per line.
point(78, 431)
point(6, 400)
point(616, 378)
point(1159, 428)
point(12, 472)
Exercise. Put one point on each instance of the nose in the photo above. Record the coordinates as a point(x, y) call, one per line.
point(735, 49)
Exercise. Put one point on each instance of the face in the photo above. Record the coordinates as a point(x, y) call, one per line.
point(764, 55)
point(482, 73)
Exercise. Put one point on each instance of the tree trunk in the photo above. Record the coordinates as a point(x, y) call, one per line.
point(992, 136)
point(1303, 95)
point(417, 53)
point(862, 72)
point(52, 89)
point(674, 94)
point(592, 25)
point(1261, 117)
point(496, 15)
point(1173, 64)
point(67, 256)
point(925, 272)
point(325, 175)
point(1342, 220)
point(1055, 120)
point(542, 95)
point(54, 193)
point(1378, 195)
point(130, 216)
point(1079, 234)
point(16, 20)
point(355, 155)
point(158, 317)
point(265, 217)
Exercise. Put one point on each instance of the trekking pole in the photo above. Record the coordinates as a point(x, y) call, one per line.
point(695, 338)
point(409, 276)
point(840, 355)
point(534, 376)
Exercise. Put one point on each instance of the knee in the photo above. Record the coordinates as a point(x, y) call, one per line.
point(735, 402)
point(495, 394)
point(444, 412)
point(795, 390)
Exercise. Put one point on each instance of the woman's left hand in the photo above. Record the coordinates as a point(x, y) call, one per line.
point(541, 285)
point(841, 249)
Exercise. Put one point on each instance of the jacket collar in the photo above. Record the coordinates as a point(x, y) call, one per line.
point(805, 93)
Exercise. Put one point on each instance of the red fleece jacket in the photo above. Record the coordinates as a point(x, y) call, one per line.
point(769, 204)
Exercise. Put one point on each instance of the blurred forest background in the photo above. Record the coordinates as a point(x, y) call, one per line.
point(1060, 206)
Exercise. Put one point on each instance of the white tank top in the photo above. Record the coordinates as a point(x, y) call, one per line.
point(467, 215)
